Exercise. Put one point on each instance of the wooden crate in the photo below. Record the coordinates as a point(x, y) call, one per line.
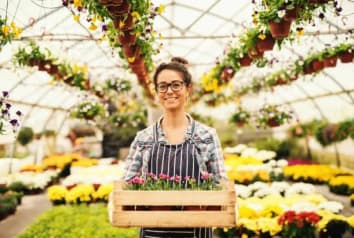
point(223, 199)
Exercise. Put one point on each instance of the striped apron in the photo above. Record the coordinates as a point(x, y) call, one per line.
point(175, 160)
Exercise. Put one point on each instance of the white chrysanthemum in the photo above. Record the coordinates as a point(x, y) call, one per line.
point(304, 206)
point(335, 207)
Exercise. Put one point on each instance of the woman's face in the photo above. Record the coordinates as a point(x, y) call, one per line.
point(172, 92)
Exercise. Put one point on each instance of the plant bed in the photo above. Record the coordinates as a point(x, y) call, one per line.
point(223, 199)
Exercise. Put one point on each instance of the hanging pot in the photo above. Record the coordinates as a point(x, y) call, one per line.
point(131, 51)
point(307, 69)
point(111, 2)
point(280, 30)
point(127, 37)
point(291, 14)
point(330, 61)
point(317, 65)
point(265, 44)
point(253, 53)
point(245, 61)
point(119, 10)
point(272, 122)
point(346, 57)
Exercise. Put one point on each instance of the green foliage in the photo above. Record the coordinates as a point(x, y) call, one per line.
point(240, 116)
point(208, 120)
point(282, 148)
point(25, 136)
point(77, 221)
point(88, 110)
point(17, 187)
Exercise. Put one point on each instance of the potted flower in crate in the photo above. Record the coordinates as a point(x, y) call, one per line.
point(87, 110)
point(271, 116)
point(241, 117)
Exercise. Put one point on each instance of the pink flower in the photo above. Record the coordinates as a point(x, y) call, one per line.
point(164, 176)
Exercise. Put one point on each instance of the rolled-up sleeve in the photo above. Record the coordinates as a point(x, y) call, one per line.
point(216, 161)
point(133, 161)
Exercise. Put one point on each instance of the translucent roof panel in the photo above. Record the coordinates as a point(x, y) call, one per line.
point(201, 31)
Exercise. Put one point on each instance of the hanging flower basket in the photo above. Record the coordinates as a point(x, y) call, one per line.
point(330, 61)
point(253, 53)
point(272, 122)
point(291, 14)
point(346, 57)
point(317, 65)
point(245, 61)
point(266, 44)
point(127, 37)
point(280, 29)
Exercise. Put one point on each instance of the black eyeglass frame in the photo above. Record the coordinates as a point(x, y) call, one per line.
point(179, 82)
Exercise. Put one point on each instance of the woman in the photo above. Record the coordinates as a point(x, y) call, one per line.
point(176, 144)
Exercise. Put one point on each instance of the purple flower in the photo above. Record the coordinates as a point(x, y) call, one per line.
point(14, 122)
point(104, 28)
point(19, 113)
point(5, 94)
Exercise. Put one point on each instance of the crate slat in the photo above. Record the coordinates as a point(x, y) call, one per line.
point(174, 219)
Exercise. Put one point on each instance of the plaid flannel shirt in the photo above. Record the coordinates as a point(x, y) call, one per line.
point(206, 140)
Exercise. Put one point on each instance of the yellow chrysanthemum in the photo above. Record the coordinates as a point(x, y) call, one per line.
point(77, 3)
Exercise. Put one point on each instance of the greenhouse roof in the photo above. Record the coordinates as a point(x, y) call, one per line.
point(200, 31)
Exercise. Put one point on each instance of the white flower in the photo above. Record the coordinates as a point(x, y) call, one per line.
point(249, 152)
point(280, 186)
point(281, 13)
point(265, 155)
point(242, 191)
point(282, 163)
point(303, 206)
point(272, 163)
point(266, 191)
point(335, 207)
point(301, 188)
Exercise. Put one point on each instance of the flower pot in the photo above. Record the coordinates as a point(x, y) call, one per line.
point(317, 65)
point(131, 51)
point(34, 62)
point(346, 57)
point(253, 53)
point(272, 122)
point(307, 69)
point(226, 74)
point(117, 10)
point(127, 38)
point(127, 21)
point(96, 185)
point(330, 61)
point(53, 70)
point(111, 2)
point(280, 29)
point(281, 81)
point(291, 14)
point(266, 44)
point(69, 187)
point(245, 61)
point(240, 124)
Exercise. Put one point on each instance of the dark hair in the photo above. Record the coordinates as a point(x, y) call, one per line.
point(177, 64)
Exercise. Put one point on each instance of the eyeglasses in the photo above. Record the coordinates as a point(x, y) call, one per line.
point(175, 86)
